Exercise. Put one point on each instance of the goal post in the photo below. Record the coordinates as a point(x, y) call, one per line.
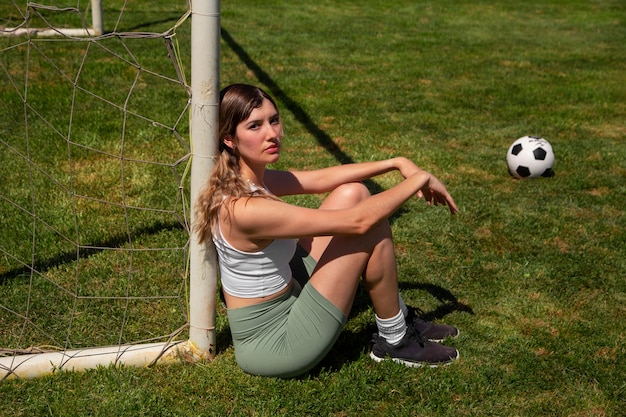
point(96, 29)
point(39, 364)
point(200, 259)
point(205, 81)
point(97, 20)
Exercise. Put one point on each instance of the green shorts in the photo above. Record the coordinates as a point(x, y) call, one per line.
point(286, 336)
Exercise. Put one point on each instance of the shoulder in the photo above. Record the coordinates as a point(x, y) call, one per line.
point(260, 218)
point(248, 210)
point(281, 182)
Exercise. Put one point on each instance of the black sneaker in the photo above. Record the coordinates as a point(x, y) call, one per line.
point(413, 351)
point(428, 330)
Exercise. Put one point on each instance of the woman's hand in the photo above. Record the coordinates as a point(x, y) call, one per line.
point(435, 193)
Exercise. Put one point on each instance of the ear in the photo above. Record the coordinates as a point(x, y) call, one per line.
point(229, 142)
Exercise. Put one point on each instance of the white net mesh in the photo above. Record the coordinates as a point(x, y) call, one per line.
point(93, 162)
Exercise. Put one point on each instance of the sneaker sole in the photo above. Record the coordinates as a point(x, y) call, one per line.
point(410, 364)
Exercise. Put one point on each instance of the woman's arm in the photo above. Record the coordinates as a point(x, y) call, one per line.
point(260, 218)
point(326, 179)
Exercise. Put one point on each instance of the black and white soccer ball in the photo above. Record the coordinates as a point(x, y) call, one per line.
point(530, 157)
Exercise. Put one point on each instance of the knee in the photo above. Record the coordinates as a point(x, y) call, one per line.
point(352, 193)
point(346, 195)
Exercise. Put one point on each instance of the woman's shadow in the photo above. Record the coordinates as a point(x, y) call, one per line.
point(351, 344)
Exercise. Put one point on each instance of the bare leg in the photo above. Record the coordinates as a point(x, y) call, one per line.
point(344, 260)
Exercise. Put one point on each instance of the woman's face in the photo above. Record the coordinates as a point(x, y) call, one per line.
point(258, 137)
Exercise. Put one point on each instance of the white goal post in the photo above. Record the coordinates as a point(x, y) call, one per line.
point(203, 126)
point(205, 91)
point(96, 29)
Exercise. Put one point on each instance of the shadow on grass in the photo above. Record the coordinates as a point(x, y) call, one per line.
point(448, 303)
point(351, 345)
point(43, 265)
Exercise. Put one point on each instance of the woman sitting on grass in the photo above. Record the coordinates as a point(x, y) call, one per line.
point(289, 273)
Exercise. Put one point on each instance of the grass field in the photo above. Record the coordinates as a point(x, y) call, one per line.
point(532, 272)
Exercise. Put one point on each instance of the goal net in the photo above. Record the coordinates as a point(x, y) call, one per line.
point(97, 184)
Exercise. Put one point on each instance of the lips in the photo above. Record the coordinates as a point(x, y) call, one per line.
point(273, 148)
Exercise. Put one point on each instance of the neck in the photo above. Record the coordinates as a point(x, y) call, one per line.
point(254, 176)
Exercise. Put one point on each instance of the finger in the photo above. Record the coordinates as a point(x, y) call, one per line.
point(452, 205)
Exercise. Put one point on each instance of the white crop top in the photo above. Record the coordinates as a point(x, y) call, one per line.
point(254, 274)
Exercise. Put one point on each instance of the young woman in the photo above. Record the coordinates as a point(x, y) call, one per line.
point(289, 274)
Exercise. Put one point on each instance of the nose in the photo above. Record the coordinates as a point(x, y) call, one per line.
point(273, 131)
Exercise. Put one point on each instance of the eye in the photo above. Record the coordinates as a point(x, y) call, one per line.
point(275, 120)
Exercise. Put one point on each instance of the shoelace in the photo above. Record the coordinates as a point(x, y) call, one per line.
point(417, 315)
point(415, 335)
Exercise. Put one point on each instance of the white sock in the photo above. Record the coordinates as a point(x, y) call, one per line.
point(403, 307)
point(392, 329)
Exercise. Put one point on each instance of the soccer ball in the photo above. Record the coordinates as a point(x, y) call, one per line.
point(530, 157)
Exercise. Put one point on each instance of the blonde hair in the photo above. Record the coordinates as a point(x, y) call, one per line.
point(225, 182)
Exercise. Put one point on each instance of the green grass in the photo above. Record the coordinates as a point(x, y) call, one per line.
point(532, 272)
